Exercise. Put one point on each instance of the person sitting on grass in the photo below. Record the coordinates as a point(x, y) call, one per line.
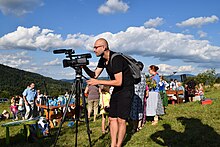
point(181, 88)
point(5, 115)
point(104, 104)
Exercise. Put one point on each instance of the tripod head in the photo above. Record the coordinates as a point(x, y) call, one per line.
point(73, 60)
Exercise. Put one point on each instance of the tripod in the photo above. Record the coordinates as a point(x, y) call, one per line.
point(76, 91)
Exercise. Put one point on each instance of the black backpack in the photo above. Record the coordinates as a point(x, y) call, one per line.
point(133, 65)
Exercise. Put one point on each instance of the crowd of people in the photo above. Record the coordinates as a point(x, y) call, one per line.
point(190, 90)
point(22, 106)
point(117, 100)
point(129, 101)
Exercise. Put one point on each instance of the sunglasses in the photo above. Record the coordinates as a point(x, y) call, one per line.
point(95, 47)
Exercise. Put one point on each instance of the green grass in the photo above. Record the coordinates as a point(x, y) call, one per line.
point(187, 125)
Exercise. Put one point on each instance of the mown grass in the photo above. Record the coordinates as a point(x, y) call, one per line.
point(187, 125)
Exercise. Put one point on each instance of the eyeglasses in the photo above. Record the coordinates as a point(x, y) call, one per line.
point(95, 47)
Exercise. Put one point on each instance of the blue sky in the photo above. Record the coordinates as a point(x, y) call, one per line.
point(178, 36)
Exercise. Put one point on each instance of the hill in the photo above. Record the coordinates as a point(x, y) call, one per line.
point(178, 77)
point(13, 81)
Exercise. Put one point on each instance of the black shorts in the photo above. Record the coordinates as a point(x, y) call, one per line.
point(120, 104)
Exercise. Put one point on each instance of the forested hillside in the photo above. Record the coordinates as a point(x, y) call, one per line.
point(14, 81)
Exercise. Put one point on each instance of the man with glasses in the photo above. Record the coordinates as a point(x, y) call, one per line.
point(121, 80)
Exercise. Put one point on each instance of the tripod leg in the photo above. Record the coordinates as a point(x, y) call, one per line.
point(77, 103)
point(77, 122)
point(86, 117)
point(64, 114)
point(79, 92)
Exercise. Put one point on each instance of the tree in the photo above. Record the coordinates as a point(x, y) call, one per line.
point(207, 78)
point(218, 80)
point(4, 94)
point(188, 79)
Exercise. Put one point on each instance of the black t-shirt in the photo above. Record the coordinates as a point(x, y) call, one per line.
point(119, 64)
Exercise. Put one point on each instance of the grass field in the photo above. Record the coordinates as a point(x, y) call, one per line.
point(184, 125)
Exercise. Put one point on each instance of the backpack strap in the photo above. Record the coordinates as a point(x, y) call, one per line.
point(113, 55)
point(132, 64)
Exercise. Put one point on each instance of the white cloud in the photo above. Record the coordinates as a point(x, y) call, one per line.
point(198, 22)
point(202, 34)
point(53, 63)
point(154, 22)
point(67, 74)
point(186, 31)
point(35, 38)
point(169, 69)
point(163, 45)
point(19, 60)
point(19, 7)
point(15, 60)
point(93, 65)
point(146, 42)
point(186, 69)
point(113, 6)
point(34, 69)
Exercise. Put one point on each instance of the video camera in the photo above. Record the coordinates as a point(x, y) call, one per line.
point(74, 60)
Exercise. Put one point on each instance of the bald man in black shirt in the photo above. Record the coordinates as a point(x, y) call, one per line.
point(121, 80)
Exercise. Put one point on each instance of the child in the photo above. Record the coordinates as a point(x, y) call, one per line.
point(104, 104)
point(201, 91)
point(21, 110)
point(14, 109)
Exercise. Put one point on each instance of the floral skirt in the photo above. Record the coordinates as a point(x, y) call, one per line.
point(136, 108)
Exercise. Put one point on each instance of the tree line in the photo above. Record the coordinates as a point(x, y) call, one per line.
point(208, 78)
point(13, 82)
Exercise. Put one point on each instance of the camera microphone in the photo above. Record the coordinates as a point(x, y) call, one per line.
point(60, 51)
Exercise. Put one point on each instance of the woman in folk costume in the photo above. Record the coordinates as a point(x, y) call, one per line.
point(154, 102)
point(137, 108)
point(162, 88)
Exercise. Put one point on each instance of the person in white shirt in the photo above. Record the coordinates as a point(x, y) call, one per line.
point(21, 109)
point(39, 101)
point(172, 85)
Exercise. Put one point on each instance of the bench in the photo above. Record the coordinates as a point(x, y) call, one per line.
point(179, 92)
point(52, 115)
point(175, 93)
point(25, 124)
